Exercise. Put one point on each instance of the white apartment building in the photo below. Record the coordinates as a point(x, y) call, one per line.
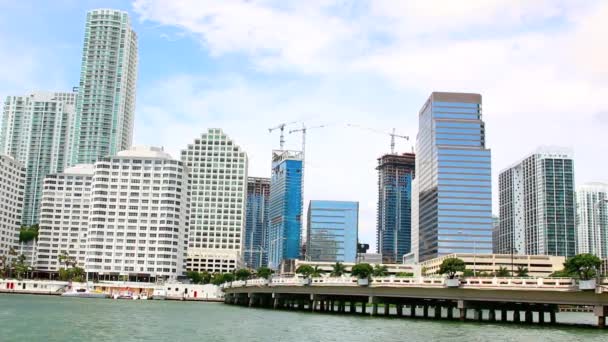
point(35, 131)
point(138, 221)
point(537, 205)
point(64, 217)
point(218, 189)
point(592, 219)
point(12, 185)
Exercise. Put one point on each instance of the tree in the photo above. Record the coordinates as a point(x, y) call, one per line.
point(380, 271)
point(468, 273)
point(217, 279)
point(77, 274)
point(584, 265)
point(20, 266)
point(316, 272)
point(228, 277)
point(27, 234)
point(205, 277)
point(522, 271)
point(66, 259)
point(561, 274)
point(6, 267)
point(264, 272)
point(502, 272)
point(362, 271)
point(339, 270)
point(242, 274)
point(195, 277)
point(305, 270)
point(451, 266)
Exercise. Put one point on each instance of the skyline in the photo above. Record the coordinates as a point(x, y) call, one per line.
point(192, 70)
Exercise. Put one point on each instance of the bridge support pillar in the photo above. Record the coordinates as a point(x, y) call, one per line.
point(437, 311)
point(552, 316)
point(353, 308)
point(275, 303)
point(477, 315)
point(503, 315)
point(412, 310)
point(322, 305)
point(492, 315)
point(541, 316)
point(399, 310)
point(529, 317)
point(387, 307)
point(425, 311)
point(251, 299)
point(516, 316)
point(601, 311)
point(363, 307)
point(374, 302)
point(450, 313)
point(462, 310)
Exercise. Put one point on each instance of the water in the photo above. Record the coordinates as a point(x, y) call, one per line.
point(46, 318)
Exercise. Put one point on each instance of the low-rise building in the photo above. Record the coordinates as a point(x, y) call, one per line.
point(537, 265)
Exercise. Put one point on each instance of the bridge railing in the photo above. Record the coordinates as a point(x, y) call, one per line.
point(563, 283)
point(292, 281)
point(406, 281)
point(257, 282)
point(334, 281)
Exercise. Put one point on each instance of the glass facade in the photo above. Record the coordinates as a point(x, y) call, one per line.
point(454, 177)
point(105, 107)
point(394, 219)
point(285, 207)
point(332, 231)
point(256, 222)
point(537, 205)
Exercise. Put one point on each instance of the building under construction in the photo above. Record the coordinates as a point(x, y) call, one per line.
point(256, 222)
point(394, 220)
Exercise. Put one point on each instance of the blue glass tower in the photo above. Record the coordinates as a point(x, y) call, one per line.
point(256, 222)
point(332, 231)
point(285, 207)
point(454, 177)
point(394, 220)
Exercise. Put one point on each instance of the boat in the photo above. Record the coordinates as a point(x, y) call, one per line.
point(84, 293)
point(143, 296)
point(159, 294)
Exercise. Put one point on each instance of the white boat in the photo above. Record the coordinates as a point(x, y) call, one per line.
point(84, 293)
point(159, 294)
point(143, 296)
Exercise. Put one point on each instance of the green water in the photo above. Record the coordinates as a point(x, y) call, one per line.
point(45, 318)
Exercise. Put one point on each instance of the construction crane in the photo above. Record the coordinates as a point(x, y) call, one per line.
point(303, 130)
point(282, 128)
point(393, 135)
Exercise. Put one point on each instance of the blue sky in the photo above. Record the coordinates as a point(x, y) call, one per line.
point(244, 66)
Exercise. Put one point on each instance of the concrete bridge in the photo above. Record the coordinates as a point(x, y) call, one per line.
point(530, 300)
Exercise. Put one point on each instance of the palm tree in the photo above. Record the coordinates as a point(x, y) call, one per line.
point(66, 259)
point(502, 272)
point(339, 270)
point(522, 271)
point(380, 271)
point(316, 272)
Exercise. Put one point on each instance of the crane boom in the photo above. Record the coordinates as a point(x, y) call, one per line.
point(392, 134)
point(281, 126)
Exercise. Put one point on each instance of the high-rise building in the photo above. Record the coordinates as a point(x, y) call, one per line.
point(285, 212)
point(138, 219)
point(12, 186)
point(394, 219)
point(415, 250)
point(218, 188)
point(35, 131)
point(256, 222)
point(105, 106)
point(64, 217)
point(592, 219)
point(332, 231)
point(537, 205)
point(454, 177)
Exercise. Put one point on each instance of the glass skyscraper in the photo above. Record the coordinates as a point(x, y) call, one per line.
point(285, 212)
point(332, 231)
point(105, 107)
point(537, 205)
point(35, 131)
point(453, 168)
point(394, 219)
point(256, 222)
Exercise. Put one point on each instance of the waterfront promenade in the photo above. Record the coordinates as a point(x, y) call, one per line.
point(529, 300)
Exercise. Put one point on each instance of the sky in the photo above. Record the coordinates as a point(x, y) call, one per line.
point(246, 66)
